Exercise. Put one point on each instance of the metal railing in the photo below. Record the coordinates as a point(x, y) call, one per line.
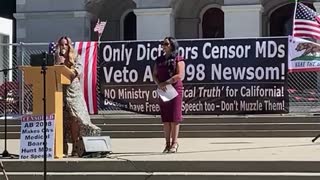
point(303, 88)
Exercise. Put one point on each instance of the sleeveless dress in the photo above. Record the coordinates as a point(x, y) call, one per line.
point(171, 111)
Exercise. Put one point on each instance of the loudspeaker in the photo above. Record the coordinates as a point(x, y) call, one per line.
point(93, 146)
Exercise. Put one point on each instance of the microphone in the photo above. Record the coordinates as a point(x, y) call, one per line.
point(62, 52)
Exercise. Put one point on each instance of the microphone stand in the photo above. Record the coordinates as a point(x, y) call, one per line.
point(315, 138)
point(44, 72)
point(5, 153)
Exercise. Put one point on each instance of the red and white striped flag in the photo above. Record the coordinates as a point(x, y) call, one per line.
point(306, 22)
point(88, 52)
point(100, 26)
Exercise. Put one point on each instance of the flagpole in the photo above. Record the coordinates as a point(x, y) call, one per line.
point(294, 16)
point(99, 38)
point(99, 35)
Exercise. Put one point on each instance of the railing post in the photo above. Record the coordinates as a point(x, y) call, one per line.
point(20, 62)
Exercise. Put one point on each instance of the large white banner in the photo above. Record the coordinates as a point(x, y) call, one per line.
point(303, 55)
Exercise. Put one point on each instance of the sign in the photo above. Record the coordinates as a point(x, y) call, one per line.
point(32, 137)
point(225, 76)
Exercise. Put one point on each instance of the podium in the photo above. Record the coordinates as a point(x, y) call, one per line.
point(56, 77)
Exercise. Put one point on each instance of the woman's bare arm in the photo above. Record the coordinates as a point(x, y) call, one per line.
point(154, 74)
point(179, 75)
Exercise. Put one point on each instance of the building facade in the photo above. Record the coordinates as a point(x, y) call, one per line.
point(6, 37)
point(45, 20)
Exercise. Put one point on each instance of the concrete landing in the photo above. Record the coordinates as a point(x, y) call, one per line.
point(197, 159)
point(214, 149)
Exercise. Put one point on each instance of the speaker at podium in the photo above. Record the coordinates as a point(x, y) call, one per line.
point(93, 146)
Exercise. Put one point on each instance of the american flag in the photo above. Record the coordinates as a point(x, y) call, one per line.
point(100, 26)
point(306, 22)
point(88, 52)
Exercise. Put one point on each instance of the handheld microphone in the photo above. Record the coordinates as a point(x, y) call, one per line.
point(62, 52)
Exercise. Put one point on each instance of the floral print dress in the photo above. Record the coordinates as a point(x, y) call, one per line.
point(75, 108)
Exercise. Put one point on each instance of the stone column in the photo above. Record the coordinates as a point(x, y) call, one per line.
point(242, 20)
point(155, 23)
point(6, 36)
point(317, 6)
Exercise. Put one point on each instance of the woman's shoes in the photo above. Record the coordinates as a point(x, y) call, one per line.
point(174, 148)
point(167, 148)
point(171, 148)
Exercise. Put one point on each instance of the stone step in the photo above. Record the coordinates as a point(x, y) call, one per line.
point(215, 133)
point(198, 134)
point(136, 119)
point(122, 165)
point(164, 176)
point(207, 119)
point(196, 127)
point(145, 126)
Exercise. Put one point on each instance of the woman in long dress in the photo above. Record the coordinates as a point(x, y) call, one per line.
point(76, 119)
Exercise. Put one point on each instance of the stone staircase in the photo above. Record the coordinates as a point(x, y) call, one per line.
point(143, 126)
point(221, 163)
point(159, 170)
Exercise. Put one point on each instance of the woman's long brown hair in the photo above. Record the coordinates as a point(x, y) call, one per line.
point(71, 51)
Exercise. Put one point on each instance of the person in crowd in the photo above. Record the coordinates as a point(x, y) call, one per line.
point(169, 70)
point(76, 119)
